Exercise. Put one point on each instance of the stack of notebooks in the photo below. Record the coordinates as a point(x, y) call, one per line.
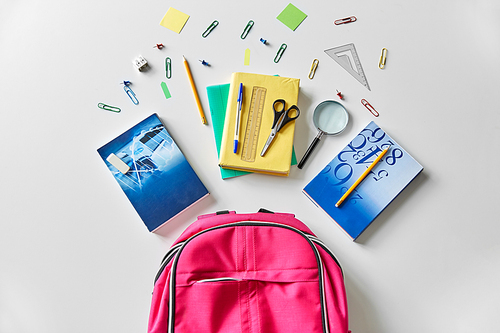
point(257, 116)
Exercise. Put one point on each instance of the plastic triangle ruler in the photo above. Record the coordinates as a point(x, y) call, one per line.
point(347, 57)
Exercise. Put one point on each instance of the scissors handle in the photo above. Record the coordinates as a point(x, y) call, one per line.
point(287, 118)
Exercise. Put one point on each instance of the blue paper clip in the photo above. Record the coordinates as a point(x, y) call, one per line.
point(210, 28)
point(131, 94)
point(280, 53)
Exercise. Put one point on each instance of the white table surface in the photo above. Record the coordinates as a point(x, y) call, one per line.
point(75, 256)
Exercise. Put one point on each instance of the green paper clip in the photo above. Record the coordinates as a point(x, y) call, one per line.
point(247, 29)
point(210, 28)
point(280, 53)
point(168, 68)
point(108, 107)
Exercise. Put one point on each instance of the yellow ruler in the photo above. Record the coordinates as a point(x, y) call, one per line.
point(253, 124)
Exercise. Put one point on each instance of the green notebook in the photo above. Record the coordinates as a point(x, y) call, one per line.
point(217, 101)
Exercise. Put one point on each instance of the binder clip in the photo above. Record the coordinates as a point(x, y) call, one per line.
point(159, 46)
point(339, 94)
point(263, 41)
point(204, 63)
point(141, 63)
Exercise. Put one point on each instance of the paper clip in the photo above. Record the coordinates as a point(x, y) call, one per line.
point(369, 107)
point(131, 94)
point(313, 68)
point(280, 53)
point(210, 28)
point(168, 68)
point(383, 56)
point(108, 107)
point(345, 20)
point(247, 29)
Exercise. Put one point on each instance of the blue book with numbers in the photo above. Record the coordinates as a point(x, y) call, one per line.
point(387, 179)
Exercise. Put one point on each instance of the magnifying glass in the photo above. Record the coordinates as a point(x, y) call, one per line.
point(330, 118)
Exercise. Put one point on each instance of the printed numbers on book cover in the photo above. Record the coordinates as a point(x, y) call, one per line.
point(394, 154)
point(342, 172)
point(380, 175)
point(353, 198)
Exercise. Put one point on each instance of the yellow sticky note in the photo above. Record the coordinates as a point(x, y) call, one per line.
point(247, 57)
point(174, 20)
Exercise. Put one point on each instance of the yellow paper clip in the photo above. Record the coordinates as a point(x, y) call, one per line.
point(383, 56)
point(108, 107)
point(280, 53)
point(313, 68)
point(168, 68)
point(247, 29)
point(210, 28)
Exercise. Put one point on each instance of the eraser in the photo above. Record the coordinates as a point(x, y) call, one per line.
point(118, 163)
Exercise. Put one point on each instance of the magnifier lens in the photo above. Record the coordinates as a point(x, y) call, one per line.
point(330, 117)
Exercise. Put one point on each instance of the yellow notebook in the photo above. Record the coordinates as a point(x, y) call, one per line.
point(257, 116)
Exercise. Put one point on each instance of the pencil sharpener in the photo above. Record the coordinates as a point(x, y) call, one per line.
point(141, 63)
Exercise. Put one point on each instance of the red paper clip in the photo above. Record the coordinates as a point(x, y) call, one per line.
point(345, 20)
point(369, 107)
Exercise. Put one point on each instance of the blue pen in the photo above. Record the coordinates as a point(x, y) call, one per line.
point(238, 121)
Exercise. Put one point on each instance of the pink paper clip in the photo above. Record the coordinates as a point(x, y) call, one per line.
point(369, 107)
point(345, 20)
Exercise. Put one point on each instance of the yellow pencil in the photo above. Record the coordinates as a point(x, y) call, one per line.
point(193, 87)
point(360, 179)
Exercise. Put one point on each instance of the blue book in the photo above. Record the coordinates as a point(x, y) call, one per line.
point(152, 171)
point(387, 179)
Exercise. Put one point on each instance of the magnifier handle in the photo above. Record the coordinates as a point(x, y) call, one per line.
point(310, 150)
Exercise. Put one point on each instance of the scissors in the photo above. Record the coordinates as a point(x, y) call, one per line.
point(281, 118)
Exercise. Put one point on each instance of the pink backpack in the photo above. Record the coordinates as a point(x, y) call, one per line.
point(255, 273)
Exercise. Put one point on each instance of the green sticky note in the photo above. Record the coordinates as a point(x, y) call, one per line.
point(291, 16)
point(165, 90)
